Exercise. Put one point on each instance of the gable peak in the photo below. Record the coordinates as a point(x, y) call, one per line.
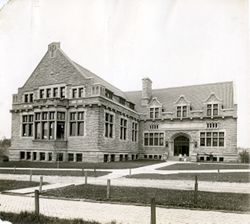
point(52, 48)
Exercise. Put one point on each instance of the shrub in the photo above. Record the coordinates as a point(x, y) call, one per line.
point(244, 157)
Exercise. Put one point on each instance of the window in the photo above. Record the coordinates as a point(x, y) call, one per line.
point(27, 125)
point(48, 93)
point(41, 94)
point(181, 111)
point(154, 112)
point(76, 125)
point(55, 92)
point(62, 92)
point(212, 139)
point(26, 98)
point(108, 94)
point(78, 157)
point(31, 98)
point(153, 126)
point(109, 123)
point(154, 139)
point(212, 125)
point(122, 101)
point(50, 156)
point(81, 92)
point(212, 110)
point(45, 125)
point(134, 131)
point(74, 93)
point(42, 156)
point(22, 155)
point(131, 106)
point(123, 129)
point(70, 157)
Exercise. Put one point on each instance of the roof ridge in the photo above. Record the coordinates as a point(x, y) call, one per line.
point(177, 87)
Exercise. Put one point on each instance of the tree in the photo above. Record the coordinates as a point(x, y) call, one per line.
point(4, 145)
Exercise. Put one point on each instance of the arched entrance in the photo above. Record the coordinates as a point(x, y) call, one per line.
point(181, 145)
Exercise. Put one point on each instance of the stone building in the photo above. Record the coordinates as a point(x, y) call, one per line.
point(64, 112)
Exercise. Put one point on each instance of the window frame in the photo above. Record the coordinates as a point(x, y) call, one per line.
point(152, 136)
point(110, 125)
point(212, 139)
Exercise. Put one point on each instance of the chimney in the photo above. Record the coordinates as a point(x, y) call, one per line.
point(52, 48)
point(146, 91)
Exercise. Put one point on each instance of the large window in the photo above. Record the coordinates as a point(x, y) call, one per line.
point(27, 125)
point(154, 112)
point(212, 139)
point(212, 109)
point(109, 124)
point(153, 139)
point(123, 129)
point(134, 131)
point(45, 125)
point(76, 124)
point(181, 111)
point(28, 98)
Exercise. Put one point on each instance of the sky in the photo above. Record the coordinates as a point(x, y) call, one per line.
point(173, 42)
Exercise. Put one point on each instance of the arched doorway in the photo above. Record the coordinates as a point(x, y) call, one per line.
point(181, 145)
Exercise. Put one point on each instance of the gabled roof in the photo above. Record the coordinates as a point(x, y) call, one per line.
point(195, 94)
point(99, 80)
point(62, 66)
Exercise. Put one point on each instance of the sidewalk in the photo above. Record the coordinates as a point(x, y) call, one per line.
point(118, 179)
point(125, 214)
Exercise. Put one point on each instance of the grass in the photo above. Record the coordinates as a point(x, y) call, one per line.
point(204, 166)
point(111, 165)
point(14, 184)
point(55, 172)
point(32, 218)
point(166, 197)
point(239, 177)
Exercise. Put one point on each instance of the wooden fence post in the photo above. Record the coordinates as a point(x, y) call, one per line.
point(108, 189)
point(37, 202)
point(130, 172)
point(86, 177)
point(195, 190)
point(30, 175)
point(95, 172)
point(153, 211)
point(41, 184)
point(14, 170)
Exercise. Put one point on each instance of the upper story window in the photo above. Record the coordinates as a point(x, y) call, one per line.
point(109, 125)
point(123, 129)
point(108, 94)
point(55, 92)
point(181, 111)
point(27, 125)
point(212, 125)
point(62, 92)
point(74, 93)
point(48, 93)
point(122, 101)
point(131, 106)
point(41, 94)
point(154, 112)
point(81, 92)
point(134, 131)
point(78, 92)
point(28, 98)
point(212, 110)
point(76, 124)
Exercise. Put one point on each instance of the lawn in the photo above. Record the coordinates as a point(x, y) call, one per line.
point(32, 218)
point(111, 165)
point(13, 184)
point(55, 172)
point(239, 177)
point(165, 197)
point(204, 166)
